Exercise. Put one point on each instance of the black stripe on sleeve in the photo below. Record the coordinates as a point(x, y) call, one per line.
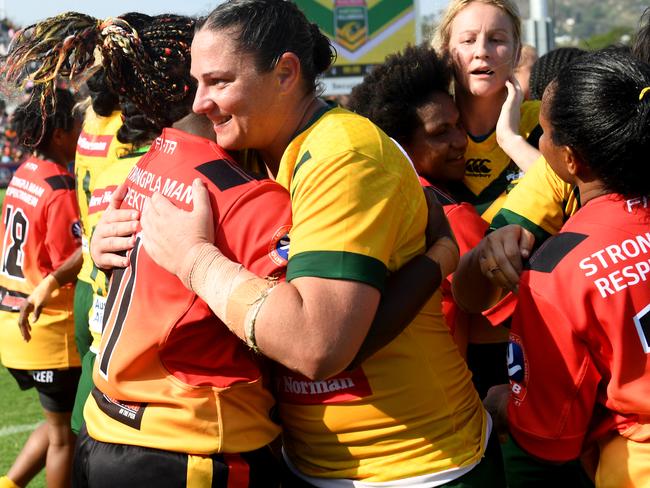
point(60, 182)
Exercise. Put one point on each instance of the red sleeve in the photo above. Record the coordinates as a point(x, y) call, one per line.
point(554, 381)
point(63, 230)
point(467, 225)
point(255, 230)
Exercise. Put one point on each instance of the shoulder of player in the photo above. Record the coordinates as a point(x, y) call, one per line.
point(52, 176)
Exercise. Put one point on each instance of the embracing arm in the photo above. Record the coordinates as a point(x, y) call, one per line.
point(514, 144)
point(409, 288)
point(312, 325)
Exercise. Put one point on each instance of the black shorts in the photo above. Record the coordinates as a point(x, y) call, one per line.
point(56, 387)
point(103, 465)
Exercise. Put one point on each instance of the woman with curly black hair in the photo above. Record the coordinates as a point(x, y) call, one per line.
point(40, 257)
point(408, 97)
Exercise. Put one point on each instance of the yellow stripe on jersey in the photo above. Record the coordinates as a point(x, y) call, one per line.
point(358, 213)
point(541, 202)
point(97, 148)
point(490, 173)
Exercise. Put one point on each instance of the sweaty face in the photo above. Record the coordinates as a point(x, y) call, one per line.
point(438, 146)
point(483, 48)
point(241, 102)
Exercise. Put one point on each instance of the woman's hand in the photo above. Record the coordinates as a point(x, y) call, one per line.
point(508, 137)
point(170, 235)
point(508, 123)
point(114, 233)
point(35, 303)
point(501, 255)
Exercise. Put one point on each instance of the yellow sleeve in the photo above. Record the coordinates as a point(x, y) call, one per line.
point(541, 202)
point(348, 217)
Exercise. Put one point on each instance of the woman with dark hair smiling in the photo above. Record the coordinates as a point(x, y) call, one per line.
point(358, 214)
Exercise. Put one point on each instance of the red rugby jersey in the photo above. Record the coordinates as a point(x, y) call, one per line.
point(40, 228)
point(578, 356)
point(468, 228)
point(169, 374)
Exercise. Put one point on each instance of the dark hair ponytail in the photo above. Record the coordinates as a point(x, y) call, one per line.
point(269, 28)
point(595, 106)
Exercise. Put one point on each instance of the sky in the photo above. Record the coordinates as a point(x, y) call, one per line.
point(25, 12)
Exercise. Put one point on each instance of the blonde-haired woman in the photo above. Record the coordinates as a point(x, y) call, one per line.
point(483, 41)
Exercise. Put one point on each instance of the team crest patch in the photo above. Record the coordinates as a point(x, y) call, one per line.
point(279, 246)
point(517, 369)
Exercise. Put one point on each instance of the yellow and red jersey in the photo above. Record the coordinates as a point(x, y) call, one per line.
point(40, 229)
point(169, 374)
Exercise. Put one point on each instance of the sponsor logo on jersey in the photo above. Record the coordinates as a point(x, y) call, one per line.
point(300, 390)
point(517, 368)
point(478, 167)
point(279, 246)
point(100, 199)
point(93, 145)
point(127, 413)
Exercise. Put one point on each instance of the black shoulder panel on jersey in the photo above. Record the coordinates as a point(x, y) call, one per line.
point(222, 173)
point(549, 255)
point(60, 182)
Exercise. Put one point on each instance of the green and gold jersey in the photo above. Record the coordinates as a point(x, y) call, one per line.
point(490, 174)
point(541, 203)
point(105, 185)
point(97, 148)
point(359, 213)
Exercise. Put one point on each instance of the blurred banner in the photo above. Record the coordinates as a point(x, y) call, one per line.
point(363, 32)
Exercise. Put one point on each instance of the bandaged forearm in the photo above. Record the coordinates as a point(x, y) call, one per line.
point(233, 293)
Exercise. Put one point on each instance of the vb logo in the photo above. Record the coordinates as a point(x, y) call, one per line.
point(477, 167)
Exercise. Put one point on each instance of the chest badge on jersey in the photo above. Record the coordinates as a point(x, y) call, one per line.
point(478, 167)
point(279, 246)
point(517, 369)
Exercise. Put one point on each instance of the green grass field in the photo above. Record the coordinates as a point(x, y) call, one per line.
point(21, 411)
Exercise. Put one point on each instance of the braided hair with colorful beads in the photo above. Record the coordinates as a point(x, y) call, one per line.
point(145, 59)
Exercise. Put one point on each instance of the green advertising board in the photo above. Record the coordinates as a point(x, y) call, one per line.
point(363, 32)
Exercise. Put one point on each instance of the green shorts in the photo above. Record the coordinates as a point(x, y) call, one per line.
point(488, 473)
point(525, 471)
point(83, 391)
point(83, 301)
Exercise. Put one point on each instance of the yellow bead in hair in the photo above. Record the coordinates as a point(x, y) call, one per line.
point(643, 92)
